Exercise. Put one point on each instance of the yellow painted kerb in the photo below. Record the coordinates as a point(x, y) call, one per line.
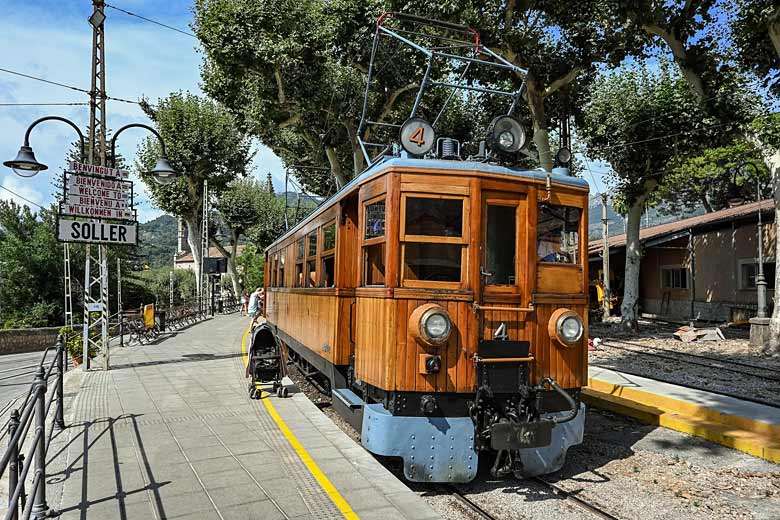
point(323, 481)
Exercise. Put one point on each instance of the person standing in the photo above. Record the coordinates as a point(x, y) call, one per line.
point(255, 303)
point(244, 303)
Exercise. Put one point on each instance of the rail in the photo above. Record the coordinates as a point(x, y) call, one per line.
point(23, 503)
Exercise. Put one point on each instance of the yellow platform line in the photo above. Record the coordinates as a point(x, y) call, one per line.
point(315, 470)
point(752, 437)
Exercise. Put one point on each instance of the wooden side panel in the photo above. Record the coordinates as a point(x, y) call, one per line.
point(566, 365)
point(307, 317)
point(559, 279)
point(375, 345)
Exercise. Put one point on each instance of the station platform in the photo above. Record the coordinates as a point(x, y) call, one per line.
point(170, 432)
point(743, 425)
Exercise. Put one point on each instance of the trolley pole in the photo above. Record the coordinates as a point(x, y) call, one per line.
point(605, 254)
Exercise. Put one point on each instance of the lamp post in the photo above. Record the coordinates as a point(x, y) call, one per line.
point(759, 326)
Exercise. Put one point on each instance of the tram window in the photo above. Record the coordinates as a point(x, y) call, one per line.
point(432, 262)
point(329, 237)
point(434, 217)
point(557, 233)
point(375, 220)
point(374, 264)
point(299, 248)
point(299, 275)
point(274, 268)
point(281, 269)
point(311, 273)
point(328, 271)
point(501, 246)
point(312, 244)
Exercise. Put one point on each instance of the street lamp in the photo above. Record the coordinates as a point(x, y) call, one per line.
point(761, 311)
point(163, 173)
point(25, 164)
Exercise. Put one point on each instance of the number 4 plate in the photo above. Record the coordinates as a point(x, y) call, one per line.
point(417, 136)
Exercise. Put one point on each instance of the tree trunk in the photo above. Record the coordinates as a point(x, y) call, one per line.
point(633, 258)
point(193, 239)
point(335, 167)
point(772, 162)
point(541, 136)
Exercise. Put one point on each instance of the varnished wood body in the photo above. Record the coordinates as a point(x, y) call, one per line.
point(369, 326)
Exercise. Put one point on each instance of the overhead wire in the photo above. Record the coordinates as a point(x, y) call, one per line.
point(63, 85)
point(151, 21)
point(42, 104)
point(21, 197)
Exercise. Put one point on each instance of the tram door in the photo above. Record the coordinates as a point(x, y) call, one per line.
point(503, 264)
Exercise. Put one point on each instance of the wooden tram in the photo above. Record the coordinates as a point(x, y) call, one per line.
point(446, 303)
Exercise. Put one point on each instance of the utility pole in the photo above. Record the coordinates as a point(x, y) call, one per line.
point(68, 287)
point(96, 282)
point(204, 248)
point(605, 254)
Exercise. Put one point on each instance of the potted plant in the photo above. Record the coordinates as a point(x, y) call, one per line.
point(75, 346)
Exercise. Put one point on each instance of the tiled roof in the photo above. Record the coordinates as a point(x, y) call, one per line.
point(649, 233)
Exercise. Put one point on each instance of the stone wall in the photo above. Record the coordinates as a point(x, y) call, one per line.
point(13, 341)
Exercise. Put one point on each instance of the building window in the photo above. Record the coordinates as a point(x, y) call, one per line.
point(557, 233)
point(374, 242)
point(432, 240)
point(748, 270)
point(674, 278)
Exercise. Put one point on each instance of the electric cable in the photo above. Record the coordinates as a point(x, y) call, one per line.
point(42, 104)
point(21, 197)
point(151, 21)
point(63, 85)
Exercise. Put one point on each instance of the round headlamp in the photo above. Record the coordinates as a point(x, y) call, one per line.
point(431, 324)
point(505, 135)
point(566, 327)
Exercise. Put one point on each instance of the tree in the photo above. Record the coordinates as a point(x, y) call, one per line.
point(704, 180)
point(755, 27)
point(637, 152)
point(203, 142)
point(241, 206)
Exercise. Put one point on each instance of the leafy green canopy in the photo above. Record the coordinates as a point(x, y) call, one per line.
point(202, 142)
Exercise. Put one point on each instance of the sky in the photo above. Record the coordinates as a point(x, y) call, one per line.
point(52, 39)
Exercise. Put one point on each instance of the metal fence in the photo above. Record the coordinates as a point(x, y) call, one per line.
point(46, 389)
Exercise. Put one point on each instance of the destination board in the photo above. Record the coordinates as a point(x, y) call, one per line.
point(97, 187)
point(93, 169)
point(97, 232)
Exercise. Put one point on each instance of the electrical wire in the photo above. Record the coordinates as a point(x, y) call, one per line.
point(63, 85)
point(42, 104)
point(21, 197)
point(151, 21)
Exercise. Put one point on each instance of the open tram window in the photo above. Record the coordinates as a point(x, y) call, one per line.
point(328, 262)
point(274, 270)
point(501, 246)
point(311, 260)
point(557, 233)
point(433, 240)
point(299, 280)
point(374, 243)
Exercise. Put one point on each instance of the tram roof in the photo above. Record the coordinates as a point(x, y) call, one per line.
point(435, 164)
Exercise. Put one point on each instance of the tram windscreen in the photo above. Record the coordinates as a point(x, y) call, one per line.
point(434, 217)
point(557, 233)
point(432, 262)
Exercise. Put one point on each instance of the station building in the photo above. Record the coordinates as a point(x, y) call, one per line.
point(701, 267)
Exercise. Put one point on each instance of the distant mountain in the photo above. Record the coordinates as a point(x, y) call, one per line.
point(157, 241)
point(617, 224)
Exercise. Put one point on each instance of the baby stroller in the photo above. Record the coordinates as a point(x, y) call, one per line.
point(265, 363)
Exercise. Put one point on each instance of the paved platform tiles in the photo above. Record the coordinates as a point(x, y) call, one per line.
point(743, 425)
point(170, 432)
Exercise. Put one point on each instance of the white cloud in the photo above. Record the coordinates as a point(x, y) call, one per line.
point(141, 60)
point(15, 189)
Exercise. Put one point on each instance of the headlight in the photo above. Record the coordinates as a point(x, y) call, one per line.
point(566, 326)
point(431, 324)
point(505, 135)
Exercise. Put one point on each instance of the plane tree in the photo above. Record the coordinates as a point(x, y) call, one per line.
point(203, 142)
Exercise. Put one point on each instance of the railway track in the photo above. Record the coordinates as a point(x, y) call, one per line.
point(558, 491)
point(712, 362)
